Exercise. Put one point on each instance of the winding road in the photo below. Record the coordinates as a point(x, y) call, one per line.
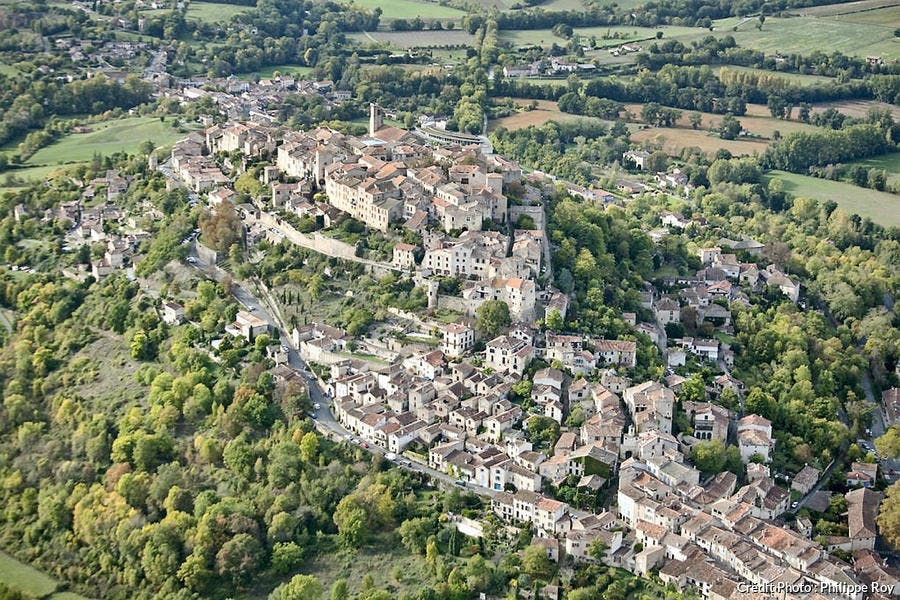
point(325, 421)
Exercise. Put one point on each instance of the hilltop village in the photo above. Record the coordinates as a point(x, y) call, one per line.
point(472, 406)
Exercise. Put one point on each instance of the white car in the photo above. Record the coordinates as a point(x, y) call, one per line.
point(316, 406)
point(191, 260)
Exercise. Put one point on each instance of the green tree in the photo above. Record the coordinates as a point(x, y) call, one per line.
point(554, 320)
point(286, 557)
point(309, 446)
point(536, 563)
point(730, 127)
point(709, 456)
point(300, 587)
point(239, 558)
point(889, 517)
point(414, 533)
point(340, 590)
point(888, 445)
point(491, 317)
point(542, 430)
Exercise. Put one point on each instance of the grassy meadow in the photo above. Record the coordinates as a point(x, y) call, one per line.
point(24, 578)
point(122, 135)
point(31, 582)
point(410, 9)
point(214, 12)
point(543, 112)
point(269, 72)
point(803, 35)
point(545, 37)
point(416, 39)
point(108, 137)
point(881, 207)
point(889, 162)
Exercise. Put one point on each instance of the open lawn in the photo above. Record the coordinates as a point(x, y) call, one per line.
point(214, 12)
point(410, 9)
point(415, 39)
point(842, 8)
point(804, 35)
point(888, 162)
point(9, 179)
point(538, 117)
point(25, 578)
point(269, 72)
point(563, 5)
point(881, 207)
point(888, 14)
point(449, 57)
point(545, 37)
point(106, 138)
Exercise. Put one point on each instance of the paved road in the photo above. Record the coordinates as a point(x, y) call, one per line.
point(325, 421)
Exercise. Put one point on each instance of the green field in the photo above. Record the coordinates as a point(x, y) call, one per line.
point(881, 207)
point(27, 175)
point(841, 8)
point(803, 35)
point(214, 12)
point(268, 72)
point(888, 162)
point(24, 578)
point(415, 39)
point(545, 37)
point(410, 9)
point(106, 138)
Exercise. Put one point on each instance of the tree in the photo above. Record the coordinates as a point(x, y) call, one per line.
point(542, 429)
point(309, 446)
point(300, 587)
point(554, 320)
point(889, 517)
point(220, 228)
point(239, 558)
point(340, 590)
point(658, 161)
point(491, 317)
point(432, 557)
point(730, 127)
point(286, 557)
point(696, 120)
point(414, 534)
point(536, 564)
point(888, 445)
point(352, 522)
point(597, 550)
point(693, 390)
point(709, 456)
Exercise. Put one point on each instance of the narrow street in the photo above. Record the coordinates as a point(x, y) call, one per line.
point(325, 421)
